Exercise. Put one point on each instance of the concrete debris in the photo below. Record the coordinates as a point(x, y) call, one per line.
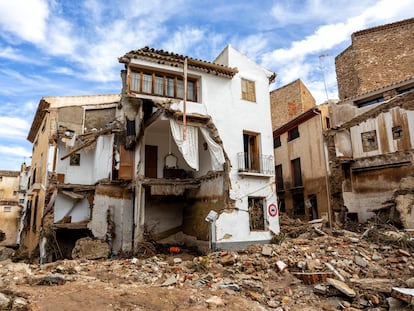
point(88, 248)
point(309, 272)
point(342, 287)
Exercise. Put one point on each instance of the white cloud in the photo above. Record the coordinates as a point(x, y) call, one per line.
point(15, 150)
point(25, 19)
point(13, 127)
point(179, 42)
point(300, 58)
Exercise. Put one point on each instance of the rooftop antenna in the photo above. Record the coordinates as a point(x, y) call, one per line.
point(323, 72)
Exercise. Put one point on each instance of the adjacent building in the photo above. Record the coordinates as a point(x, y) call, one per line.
point(9, 207)
point(371, 145)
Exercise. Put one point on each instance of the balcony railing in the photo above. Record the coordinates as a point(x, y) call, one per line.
point(255, 163)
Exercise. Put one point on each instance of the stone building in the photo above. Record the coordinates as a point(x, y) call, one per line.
point(371, 143)
point(289, 101)
point(377, 57)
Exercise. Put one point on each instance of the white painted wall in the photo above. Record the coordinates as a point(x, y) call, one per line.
point(64, 204)
point(121, 210)
point(95, 163)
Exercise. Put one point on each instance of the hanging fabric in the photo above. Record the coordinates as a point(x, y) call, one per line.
point(216, 151)
point(188, 147)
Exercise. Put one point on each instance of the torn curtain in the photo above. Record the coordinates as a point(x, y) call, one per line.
point(188, 147)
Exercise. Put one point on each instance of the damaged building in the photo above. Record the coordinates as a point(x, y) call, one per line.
point(183, 155)
point(371, 143)
point(301, 166)
point(202, 137)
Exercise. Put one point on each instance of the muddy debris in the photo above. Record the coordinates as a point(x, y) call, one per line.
point(341, 270)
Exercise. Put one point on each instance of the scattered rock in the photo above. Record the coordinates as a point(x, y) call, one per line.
point(88, 248)
point(342, 287)
point(4, 301)
point(215, 301)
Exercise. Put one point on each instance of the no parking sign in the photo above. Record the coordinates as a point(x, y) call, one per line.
point(272, 210)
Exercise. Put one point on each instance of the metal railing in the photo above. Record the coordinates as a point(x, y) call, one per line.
point(255, 163)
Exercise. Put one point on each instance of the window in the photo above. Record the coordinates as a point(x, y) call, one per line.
point(327, 122)
point(298, 204)
point(293, 134)
point(279, 178)
point(369, 102)
point(397, 132)
point(256, 213)
point(21, 201)
point(7, 209)
point(369, 141)
point(296, 173)
point(248, 90)
point(75, 159)
point(282, 205)
point(276, 142)
point(251, 152)
point(160, 84)
point(34, 220)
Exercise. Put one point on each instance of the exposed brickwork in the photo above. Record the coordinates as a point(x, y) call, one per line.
point(377, 57)
point(288, 102)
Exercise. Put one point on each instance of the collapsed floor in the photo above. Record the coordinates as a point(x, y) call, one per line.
point(305, 269)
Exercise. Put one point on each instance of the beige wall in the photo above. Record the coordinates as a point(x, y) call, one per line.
point(9, 209)
point(38, 182)
point(309, 148)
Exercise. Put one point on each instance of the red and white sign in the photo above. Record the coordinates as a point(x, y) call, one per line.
point(272, 209)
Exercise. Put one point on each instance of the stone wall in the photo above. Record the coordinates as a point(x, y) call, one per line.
point(288, 102)
point(377, 57)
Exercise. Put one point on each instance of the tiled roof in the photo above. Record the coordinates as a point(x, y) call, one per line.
point(176, 60)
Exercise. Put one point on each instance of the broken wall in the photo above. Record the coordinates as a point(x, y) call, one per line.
point(95, 162)
point(112, 216)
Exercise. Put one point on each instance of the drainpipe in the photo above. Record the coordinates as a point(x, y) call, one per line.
point(328, 193)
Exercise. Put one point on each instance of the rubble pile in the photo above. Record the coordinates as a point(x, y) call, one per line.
point(315, 271)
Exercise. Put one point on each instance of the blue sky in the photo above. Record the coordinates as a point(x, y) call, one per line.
point(56, 47)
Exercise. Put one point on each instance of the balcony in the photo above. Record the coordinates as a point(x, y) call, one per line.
point(255, 164)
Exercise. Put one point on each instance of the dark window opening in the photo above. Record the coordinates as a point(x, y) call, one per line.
point(296, 173)
point(298, 204)
point(279, 178)
point(282, 205)
point(251, 152)
point(34, 220)
point(369, 102)
point(293, 134)
point(397, 132)
point(256, 213)
point(327, 122)
point(276, 142)
point(369, 141)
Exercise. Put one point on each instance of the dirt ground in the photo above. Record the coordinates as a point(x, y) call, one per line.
point(290, 275)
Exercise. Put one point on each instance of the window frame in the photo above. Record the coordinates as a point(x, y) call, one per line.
point(293, 133)
point(279, 178)
point(297, 180)
point(260, 223)
point(248, 90)
point(150, 85)
point(367, 144)
point(277, 142)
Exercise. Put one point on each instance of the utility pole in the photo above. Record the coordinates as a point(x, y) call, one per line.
point(323, 72)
